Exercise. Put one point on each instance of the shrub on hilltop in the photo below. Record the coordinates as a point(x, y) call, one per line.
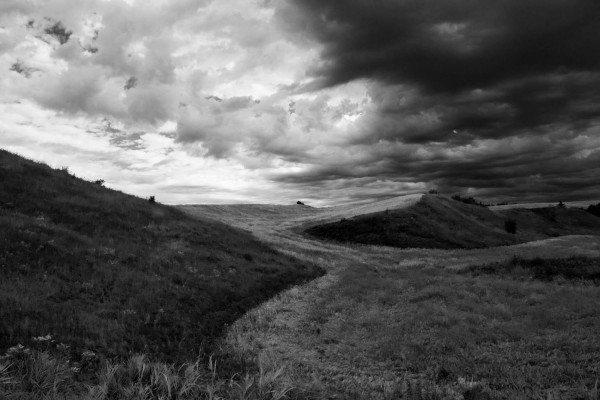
point(594, 209)
point(468, 200)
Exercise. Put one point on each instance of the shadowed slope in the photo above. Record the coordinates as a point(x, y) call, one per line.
point(439, 222)
point(103, 271)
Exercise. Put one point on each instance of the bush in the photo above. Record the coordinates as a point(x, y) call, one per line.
point(99, 182)
point(560, 204)
point(151, 199)
point(594, 209)
point(468, 200)
point(300, 203)
point(510, 225)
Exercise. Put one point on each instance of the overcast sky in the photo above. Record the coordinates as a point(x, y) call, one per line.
point(325, 101)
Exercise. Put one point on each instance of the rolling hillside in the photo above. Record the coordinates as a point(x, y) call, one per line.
point(440, 222)
point(113, 274)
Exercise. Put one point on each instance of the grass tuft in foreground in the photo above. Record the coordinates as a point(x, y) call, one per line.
point(33, 374)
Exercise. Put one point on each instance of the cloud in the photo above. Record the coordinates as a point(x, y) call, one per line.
point(343, 100)
point(481, 70)
point(461, 95)
point(77, 90)
point(555, 165)
point(446, 46)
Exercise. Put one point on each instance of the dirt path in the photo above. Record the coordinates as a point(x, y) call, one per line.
point(345, 332)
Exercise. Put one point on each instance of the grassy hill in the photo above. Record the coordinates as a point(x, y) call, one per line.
point(111, 274)
point(440, 222)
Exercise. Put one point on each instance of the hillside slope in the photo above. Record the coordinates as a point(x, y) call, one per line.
point(103, 271)
point(248, 215)
point(440, 222)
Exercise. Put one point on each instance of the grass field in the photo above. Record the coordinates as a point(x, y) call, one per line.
point(440, 222)
point(91, 275)
point(426, 323)
point(108, 296)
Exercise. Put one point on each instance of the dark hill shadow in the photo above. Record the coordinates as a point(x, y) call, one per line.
point(440, 222)
point(103, 271)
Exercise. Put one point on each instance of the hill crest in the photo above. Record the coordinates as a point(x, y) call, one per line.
point(439, 222)
point(103, 271)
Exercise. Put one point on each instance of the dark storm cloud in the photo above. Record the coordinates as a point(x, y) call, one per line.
point(481, 68)
point(516, 107)
point(551, 167)
point(500, 99)
point(449, 45)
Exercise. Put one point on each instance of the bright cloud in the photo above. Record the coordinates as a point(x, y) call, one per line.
point(261, 101)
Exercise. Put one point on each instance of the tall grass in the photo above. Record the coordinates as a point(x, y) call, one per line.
point(27, 374)
point(31, 374)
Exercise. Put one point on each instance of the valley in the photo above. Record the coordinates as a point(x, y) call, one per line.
point(105, 295)
point(387, 321)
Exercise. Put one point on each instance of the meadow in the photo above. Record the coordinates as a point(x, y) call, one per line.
point(108, 296)
point(92, 276)
point(388, 323)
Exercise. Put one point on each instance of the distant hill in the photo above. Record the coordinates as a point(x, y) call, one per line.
point(294, 217)
point(111, 273)
point(569, 204)
point(439, 222)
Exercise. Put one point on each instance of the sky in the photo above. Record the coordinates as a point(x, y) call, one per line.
point(324, 101)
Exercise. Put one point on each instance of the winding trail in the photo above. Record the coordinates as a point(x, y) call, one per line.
point(313, 330)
